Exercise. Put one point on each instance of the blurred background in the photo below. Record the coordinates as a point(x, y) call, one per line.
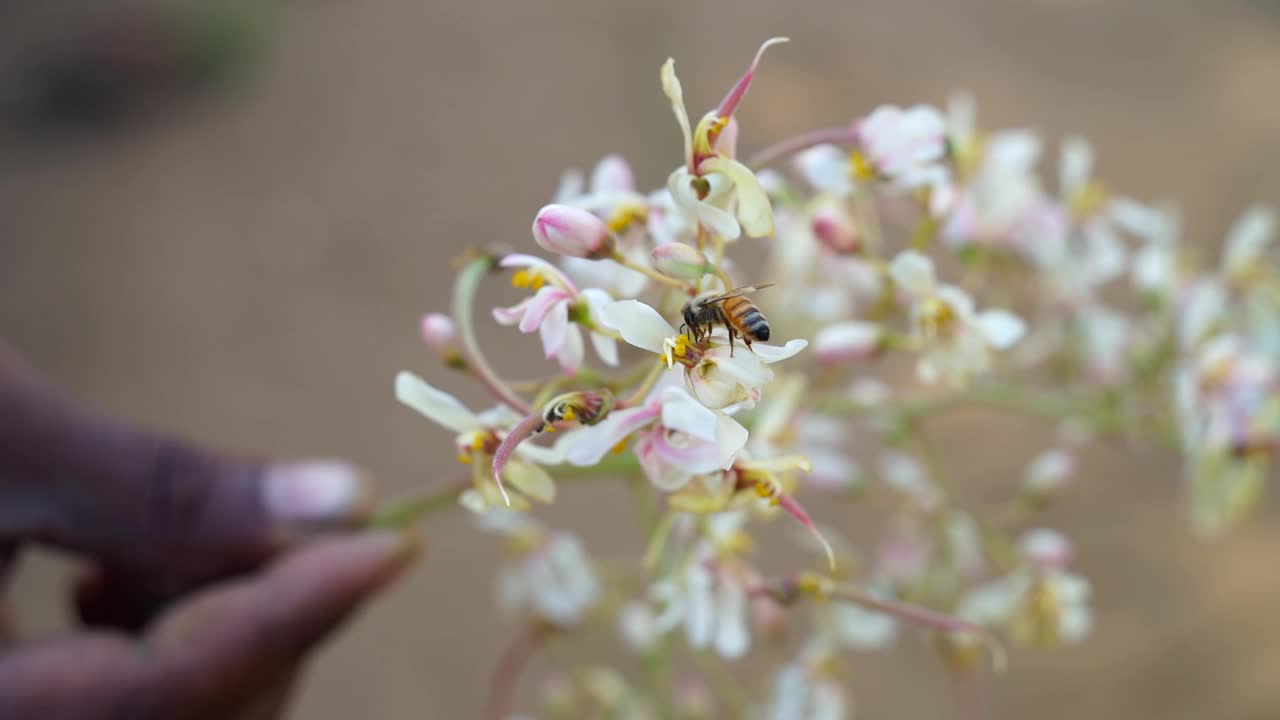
point(225, 218)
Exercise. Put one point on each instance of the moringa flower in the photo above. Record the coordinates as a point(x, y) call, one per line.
point(955, 341)
point(905, 147)
point(676, 438)
point(478, 436)
point(718, 374)
point(549, 573)
point(722, 193)
point(555, 310)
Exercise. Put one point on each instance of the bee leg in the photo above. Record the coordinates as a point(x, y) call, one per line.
point(732, 334)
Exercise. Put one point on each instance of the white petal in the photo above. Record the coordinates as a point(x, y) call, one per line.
point(754, 210)
point(1248, 238)
point(439, 406)
point(700, 611)
point(587, 446)
point(553, 328)
point(571, 352)
point(731, 437)
point(772, 353)
point(1002, 328)
point(606, 347)
point(671, 86)
point(681, 412)
point(732, 639)
point(531, 480)
point(639, 324)
point(542, 455)
point(913, 272)
point(1076, 164)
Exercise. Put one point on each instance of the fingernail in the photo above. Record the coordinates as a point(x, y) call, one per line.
point(315, 493)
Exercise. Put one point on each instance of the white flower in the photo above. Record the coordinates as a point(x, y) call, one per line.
point(827, 168)
point(550, 575)
point(1038, 608)
point(676, 438)
point(709, 599)
point(1247, 242)
point(955, 341)
point(906, 147)
point(1048, 473)
point(1106, 337)
point(720, 192)
point(549, 311)
point(1002, 196)
point(638, 626)
point(906, 475)
point(1154, 268)
point(806, 689)
point(849, 626)
point(848, 341)
point(719, 375)
point(478, 435)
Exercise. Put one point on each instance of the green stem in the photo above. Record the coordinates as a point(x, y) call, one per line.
point(650, 273)
point(464, 295)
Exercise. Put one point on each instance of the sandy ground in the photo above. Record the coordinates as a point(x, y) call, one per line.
point(249, 268)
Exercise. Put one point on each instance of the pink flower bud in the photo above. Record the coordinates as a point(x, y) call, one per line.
point(677, 260)
point(572, 231)
point(848, 341)
point(439, 335)
point(834, 228)
point(612, 174)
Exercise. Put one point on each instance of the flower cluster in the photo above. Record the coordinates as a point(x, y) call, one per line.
point(907, 238)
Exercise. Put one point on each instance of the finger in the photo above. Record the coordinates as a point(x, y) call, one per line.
point(143, 501)
point(233, 642)
point(91, 675)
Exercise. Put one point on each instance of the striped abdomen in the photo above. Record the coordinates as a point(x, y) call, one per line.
point(745, 318)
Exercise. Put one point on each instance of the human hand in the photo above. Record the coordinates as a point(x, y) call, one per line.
point(200, 601)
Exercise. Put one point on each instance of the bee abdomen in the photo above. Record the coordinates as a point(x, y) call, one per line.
point(752, 321)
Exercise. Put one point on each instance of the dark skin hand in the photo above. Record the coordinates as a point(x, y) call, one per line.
point(210, 578)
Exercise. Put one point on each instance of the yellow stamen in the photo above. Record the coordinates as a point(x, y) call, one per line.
point(464, 458)
point(625, 216)
point(620, 448)
point(569, 414)
point(1087, 200)
point(528, 279)
point(862, 168)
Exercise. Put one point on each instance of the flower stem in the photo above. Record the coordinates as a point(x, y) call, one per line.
point(464, 294)
point(650, 273)
point(401, 514)
point(792, 145)
point(506, 675)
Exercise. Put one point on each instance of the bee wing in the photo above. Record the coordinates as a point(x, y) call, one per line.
point(738, 292)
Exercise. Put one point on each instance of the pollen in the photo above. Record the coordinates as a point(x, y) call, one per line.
point(527, 279)
point(626, 216)
point(464, 458)
point(569, 414)
point(861, 166)
point(620, 448)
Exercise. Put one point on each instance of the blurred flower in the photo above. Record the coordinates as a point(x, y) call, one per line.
point(955, 341)
point(808, 689)
point(549, 574)
point(442, 338)
point(848, 341)
point(678, 260)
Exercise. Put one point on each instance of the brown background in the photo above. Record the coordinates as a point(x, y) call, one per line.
point(249, 268)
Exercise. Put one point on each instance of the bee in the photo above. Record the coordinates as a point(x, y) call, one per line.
point(733, 310)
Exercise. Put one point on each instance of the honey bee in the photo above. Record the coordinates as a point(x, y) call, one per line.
point(733, 310)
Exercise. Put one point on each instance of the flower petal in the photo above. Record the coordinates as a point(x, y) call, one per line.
point(639, 324)
point(1002, 328)
point(671, 87)
point(913, 272)
point(719, 220)
point(512, 315)
point(731, 437)
point(754, 210)
point(553, 326)
point(571, 353)
point(543, 301)
point(586, 446)
point(680, 411)
point(439, 406)
point(770, 354)
point(531, 480)
point(606, 347)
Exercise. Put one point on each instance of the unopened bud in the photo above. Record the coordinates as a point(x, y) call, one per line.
point(848, 341)
point(680, 261)
point(834, 228)
point(439, 335)
point(612, 174)
point(572, 231)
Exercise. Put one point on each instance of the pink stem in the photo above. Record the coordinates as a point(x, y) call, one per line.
point(793, 508)
point(791, 146)
point(523, 430)
point(506, 675)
